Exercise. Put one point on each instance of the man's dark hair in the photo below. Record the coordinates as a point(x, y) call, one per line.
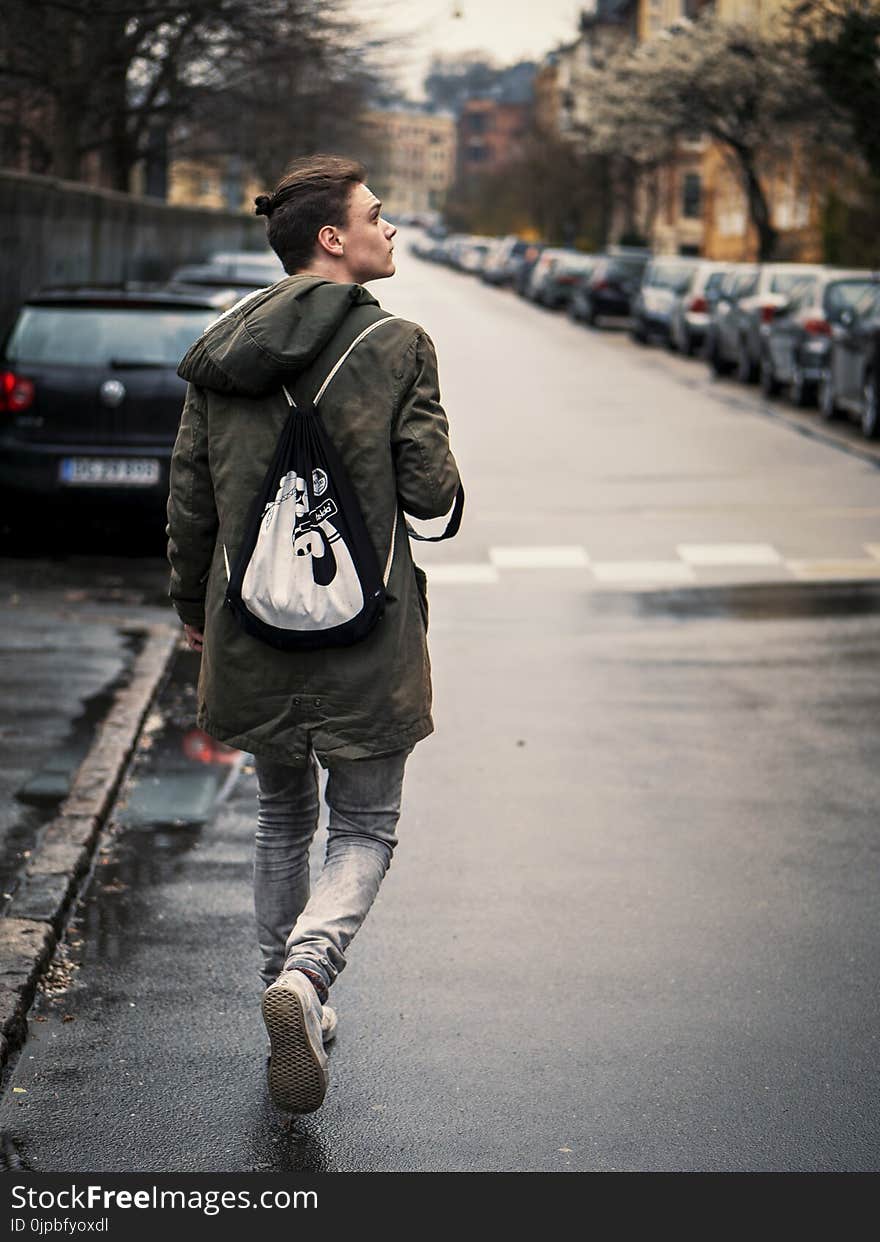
point(313, 192)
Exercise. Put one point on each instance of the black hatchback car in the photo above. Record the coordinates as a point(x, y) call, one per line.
point(90, 399)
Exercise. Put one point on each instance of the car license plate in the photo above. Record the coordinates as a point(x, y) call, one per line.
point(118, 471)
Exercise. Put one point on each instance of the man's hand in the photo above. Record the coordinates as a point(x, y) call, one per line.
point(194, 638)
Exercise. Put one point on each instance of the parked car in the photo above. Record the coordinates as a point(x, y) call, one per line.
point(850, 378)
point(241, 271)
point(568, 262)
point(90, 395)
point(691, 311)
point(796, 342)
point(665, 279)
point(504, 262)
point(749, 297)
point(522, 276)
point(474, 253)
point(562, 279)
point(609, 288)
point(466, 251)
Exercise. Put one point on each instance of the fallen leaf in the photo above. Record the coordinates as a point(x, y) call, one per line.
point(40, 1018)
point(19, 1091)
point(565, 1149)
point(68, 1017)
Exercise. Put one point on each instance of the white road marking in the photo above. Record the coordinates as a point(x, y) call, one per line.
point(570, 556)
point(812, 570)
point(642, 571)
point(729, 554)
point(472, 573)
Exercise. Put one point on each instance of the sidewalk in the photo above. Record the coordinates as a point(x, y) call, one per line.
point(79, 669)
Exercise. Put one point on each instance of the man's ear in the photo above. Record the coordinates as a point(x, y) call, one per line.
point(329, 240)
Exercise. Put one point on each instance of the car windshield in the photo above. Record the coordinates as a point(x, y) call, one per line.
point(789, 282)
point(576, 263)
point(100, 336)
point(868, 302)
point(256, 274)
point(671, 276)
point(626, 267)
point(845, 295)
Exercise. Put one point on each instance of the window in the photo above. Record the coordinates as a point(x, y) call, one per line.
point(91, 336)
point(849, 295)
point(691, 196)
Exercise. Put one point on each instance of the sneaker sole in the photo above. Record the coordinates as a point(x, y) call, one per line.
point(297, 1077)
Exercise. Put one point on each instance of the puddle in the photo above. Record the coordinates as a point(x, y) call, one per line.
point(179, 772)
point(772, 601)
point(43, 792)
point(51, 783)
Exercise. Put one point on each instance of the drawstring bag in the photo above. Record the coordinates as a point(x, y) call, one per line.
point(307, 575)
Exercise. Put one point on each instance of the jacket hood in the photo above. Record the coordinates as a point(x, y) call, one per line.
point(270, 335)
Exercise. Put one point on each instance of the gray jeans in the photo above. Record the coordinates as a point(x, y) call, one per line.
point(297, 929)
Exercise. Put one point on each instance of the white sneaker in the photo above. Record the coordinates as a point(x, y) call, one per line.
point(297, 1072)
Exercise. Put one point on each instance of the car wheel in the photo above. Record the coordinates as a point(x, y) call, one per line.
point(688, 344)
point(745, 368)
point(769, 382)
point(803, 392)
point(717, 364)
point(870, 411)
point(828, 408)
point(638, 334)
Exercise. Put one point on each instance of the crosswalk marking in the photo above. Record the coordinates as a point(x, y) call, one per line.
point(692, 558)
point(462, 573)
point(728, 553)
point(570, 556)
point(642, 571)
point(811, 570)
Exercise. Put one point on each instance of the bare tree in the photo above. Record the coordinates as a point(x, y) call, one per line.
point(105, 75)
point(754, 95)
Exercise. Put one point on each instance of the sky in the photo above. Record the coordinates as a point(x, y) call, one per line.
point(510, 30)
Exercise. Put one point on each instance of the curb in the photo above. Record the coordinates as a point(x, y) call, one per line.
point(64, 851)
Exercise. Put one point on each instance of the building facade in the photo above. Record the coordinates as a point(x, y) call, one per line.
point(490, 135)
point(412, 158)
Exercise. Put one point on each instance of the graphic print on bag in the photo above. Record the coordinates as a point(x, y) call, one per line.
point(306, 574)
point(301, 566)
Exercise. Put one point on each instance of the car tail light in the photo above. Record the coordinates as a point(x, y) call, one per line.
point(16, 392)
point(767, 313)
point(816, 326)
point(566, 280)
point(699, 306)
point(601, 284)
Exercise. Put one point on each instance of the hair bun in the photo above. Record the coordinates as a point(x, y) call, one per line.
point(263, 205)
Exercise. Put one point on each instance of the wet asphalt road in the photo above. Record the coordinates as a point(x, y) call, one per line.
point(632, 921)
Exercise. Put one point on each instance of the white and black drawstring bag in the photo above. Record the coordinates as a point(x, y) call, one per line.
point(307, 575)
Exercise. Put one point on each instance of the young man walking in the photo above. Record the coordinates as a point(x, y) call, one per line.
point(357, 710)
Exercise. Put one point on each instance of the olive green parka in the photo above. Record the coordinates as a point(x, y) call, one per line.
point(382, 411)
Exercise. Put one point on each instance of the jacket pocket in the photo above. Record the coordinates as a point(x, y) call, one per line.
point(422, 585)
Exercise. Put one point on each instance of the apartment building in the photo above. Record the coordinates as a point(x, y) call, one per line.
point(412, 157)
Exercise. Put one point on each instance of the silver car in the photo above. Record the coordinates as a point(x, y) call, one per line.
point(692, 309)
point(749, 298)
point(664, 282)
